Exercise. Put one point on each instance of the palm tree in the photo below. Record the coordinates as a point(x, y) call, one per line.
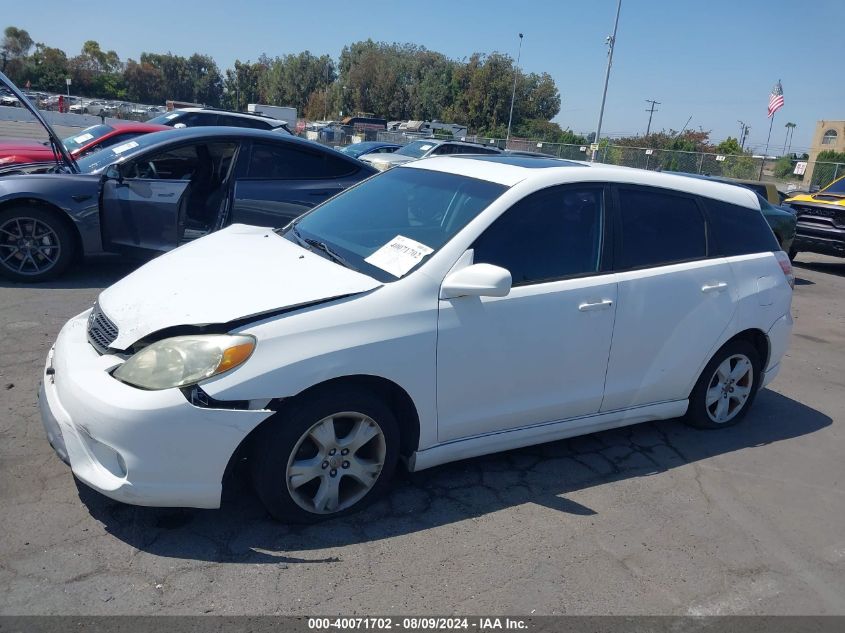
point(790, 127)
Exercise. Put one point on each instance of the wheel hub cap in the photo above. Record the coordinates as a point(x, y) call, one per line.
point(729, 388)
point(336, 463)
point(28, 246)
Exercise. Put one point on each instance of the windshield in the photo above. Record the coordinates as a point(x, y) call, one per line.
point(356, 149)
point(412, 211)
point(837, 187)
point(93, 133)
point(165, 119)
point(116, 153)
point(417, 149)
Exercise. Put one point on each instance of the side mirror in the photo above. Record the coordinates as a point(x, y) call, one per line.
point(112, 172)
point(478, 280)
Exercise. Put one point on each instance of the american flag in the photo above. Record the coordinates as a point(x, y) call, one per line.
point(775, 99)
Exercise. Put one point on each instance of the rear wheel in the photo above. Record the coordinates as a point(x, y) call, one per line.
point(327, 455)
point(726, 388)
point(35, 245)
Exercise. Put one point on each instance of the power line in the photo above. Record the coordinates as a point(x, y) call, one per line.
point(651, 112)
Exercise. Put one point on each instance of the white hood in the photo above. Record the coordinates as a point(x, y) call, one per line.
point(390, 159)
point(238, 272)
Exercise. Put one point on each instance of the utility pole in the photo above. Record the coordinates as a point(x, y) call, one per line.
point(651, 112)
point(513, 93)
point(743, 133)
point(611, 42)
point(326, 96)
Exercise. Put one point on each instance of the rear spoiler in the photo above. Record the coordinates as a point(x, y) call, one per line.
point(55, 141)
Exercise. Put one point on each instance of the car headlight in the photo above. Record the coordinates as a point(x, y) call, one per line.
point(185, 360)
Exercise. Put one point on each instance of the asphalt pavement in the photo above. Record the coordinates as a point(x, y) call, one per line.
point(658, 518)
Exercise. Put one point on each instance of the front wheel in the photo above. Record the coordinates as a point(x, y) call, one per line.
point(327, 455)
point(726, 388)
point(35, 245)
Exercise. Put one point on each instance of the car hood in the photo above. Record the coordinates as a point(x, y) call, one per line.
point(239, 272)
point(392, 159)
point(15, 145)
point(819, 198)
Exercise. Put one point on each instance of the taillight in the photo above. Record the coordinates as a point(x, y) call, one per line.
point(786, 267)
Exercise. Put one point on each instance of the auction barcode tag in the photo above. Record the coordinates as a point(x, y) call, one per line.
point(399, 255)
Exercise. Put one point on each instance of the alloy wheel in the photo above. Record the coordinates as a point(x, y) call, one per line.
point(729, 388)
point(28, 246)
point(336, 462)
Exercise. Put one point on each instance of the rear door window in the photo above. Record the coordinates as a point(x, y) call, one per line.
point(281, 162)
point(657, 227)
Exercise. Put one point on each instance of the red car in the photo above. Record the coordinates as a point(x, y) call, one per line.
point(96, 137)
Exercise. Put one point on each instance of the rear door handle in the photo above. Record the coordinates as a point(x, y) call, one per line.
point(714, 287)
point(596, 305)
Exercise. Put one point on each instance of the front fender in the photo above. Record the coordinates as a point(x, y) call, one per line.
point(74, 195)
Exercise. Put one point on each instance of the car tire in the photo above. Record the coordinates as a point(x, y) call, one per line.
point(35, 244)
point(726, 388)
point(305, 473)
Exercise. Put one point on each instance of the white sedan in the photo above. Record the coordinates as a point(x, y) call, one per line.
point(450, 308)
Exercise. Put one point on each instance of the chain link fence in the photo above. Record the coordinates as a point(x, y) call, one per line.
point(788, 173)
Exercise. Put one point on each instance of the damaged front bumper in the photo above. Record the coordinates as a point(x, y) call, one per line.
point(151, 448)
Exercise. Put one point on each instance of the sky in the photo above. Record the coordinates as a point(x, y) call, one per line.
point(715, 61)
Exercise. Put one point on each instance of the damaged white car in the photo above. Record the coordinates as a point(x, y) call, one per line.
point(450, 308)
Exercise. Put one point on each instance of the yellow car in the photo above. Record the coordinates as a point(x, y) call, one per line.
point(821, 220)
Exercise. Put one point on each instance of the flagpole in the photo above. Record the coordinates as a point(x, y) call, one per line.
point(766, 153)
point(771, 123)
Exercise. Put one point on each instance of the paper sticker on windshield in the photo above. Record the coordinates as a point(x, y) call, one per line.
point(82, 138)
point(426, 147)
point(119, 149)
point(399, 255)
point(172, 115)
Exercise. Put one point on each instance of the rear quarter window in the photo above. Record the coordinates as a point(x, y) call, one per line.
point(658, 227)
point(738, 230)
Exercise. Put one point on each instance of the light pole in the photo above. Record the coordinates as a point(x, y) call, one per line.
point(513, 92)
point(611, 42)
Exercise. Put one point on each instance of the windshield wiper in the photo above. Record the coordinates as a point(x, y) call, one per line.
point(328, 251)
point(322, 246)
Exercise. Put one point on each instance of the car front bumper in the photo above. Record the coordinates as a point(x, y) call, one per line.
point(820, 239)
point(150, 448)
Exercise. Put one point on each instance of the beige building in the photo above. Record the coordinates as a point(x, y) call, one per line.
point(829, 135)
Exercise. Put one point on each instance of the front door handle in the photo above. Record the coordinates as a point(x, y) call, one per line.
point(714, 287)
point(596, 305)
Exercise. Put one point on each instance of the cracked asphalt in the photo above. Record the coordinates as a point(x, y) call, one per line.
point(653, 519)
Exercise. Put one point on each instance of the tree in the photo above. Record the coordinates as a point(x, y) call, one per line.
point(241, 84)
point(16, 42)
point(316, 108)
point(96, 72)
point(206, 79)
point(47, 68)
point(144, 82)
point(729, 146)
point(13, 50)
point(290, 80)
point(547, 131)
point(175, 75)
